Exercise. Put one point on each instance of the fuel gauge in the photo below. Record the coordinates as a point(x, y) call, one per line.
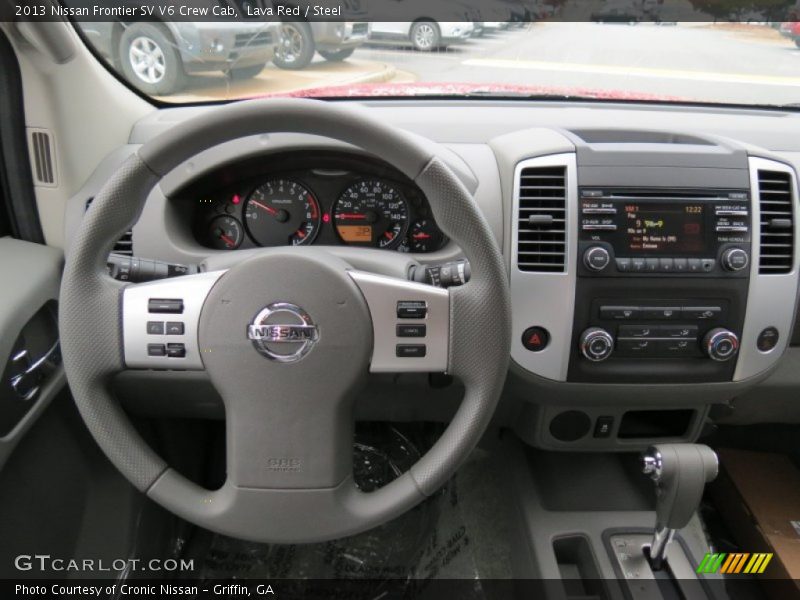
point(225, 233)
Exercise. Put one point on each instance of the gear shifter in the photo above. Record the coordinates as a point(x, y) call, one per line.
point(680, 472)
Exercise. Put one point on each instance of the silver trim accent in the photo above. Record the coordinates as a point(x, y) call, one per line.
point(772, 298)
point(545, 299)
point(193, 290)
point(382, 295)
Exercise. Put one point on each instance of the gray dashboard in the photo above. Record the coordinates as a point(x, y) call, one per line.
point(488, 143)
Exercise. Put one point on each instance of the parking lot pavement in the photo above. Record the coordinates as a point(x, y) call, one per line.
point(272, 80)
point(730, 63)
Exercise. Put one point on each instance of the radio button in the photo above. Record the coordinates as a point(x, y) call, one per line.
point(661, 312)
point(707, 264)
point(623, 265)
point(651, 265)
point(620, 312)
point(666, 265)
point(701, 313)
point(681, 265)
point(637, 265)
point(695, 266)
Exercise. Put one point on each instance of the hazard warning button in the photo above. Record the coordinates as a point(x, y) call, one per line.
point(535, 339)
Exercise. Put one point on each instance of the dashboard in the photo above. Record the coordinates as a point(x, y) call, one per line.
point(303, 199)
point(653, 270)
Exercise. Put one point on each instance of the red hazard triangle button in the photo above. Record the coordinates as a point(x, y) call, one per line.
point(535, 339)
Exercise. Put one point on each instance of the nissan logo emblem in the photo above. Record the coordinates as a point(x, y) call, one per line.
point(283, 332)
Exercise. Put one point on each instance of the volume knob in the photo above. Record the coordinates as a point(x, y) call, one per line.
point(596, 258)
point(596, 344)
point(721, 344)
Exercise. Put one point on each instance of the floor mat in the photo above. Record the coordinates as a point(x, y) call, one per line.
point(460, 533)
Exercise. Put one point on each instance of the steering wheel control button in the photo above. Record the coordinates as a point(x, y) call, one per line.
point(411, 350)
point(175, 328)
point(411, 330)
point(156, 350)
point(412, 309)
point(596, 259)
point(735, 259)
point(155, 327)
point(602, 427)
point(176, 350)
point(620, 312)
point(535, 339)
point(767, 339)
point(596, 344)
point(721, 344)
point(701, 313)
point(165, 305)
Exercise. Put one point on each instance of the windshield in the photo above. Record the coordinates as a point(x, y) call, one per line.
point(618, 50)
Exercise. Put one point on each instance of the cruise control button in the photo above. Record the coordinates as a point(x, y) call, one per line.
point(619, 312)
point(410, 350)
point(411, 330)
point(155, 327)
point(701, 312)
point(174, 328)
point(176, 350)
point(165, 305)
point(156, 350)
point(412, 309)
point(661, 312)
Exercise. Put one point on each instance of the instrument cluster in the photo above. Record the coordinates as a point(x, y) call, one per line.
point(322, 199)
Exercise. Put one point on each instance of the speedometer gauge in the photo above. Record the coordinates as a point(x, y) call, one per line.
point(282, 212)
point(371, 213)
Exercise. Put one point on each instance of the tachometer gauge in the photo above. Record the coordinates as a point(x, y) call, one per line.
point(424, 236)
point(282, 212)
point(371, 213)
point(224, 233)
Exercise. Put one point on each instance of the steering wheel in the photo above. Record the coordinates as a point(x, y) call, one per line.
point(287, 337)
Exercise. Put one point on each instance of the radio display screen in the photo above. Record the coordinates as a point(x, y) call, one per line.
point(664, 229)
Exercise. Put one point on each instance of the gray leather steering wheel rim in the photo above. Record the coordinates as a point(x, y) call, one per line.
point(91, 336)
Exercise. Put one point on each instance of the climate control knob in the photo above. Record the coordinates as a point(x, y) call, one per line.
point(596, 258)
point(721, 344)
point(735, 259)
point(596, 344)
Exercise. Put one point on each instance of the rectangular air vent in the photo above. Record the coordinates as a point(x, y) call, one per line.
point(775, 199)
point(42, 155)
point(124, 244)
point(542, 239)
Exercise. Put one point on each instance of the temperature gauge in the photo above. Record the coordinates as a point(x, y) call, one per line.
point(424, 236)
point(225, 233)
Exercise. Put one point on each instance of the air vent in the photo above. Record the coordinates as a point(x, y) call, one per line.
point(542, 240)
point(777, 222)
point(124, 244)
point(42, 153)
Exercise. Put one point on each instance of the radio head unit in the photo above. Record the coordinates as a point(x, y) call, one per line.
point(639, 232)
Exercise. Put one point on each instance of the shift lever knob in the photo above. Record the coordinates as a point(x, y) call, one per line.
point(680, 472)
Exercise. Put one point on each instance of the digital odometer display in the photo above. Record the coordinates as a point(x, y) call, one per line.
point(671, 229)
